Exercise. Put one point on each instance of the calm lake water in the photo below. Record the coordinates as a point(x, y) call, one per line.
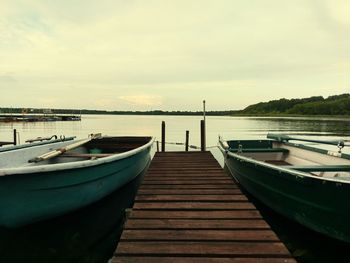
point(91, 234)
point(176, 126)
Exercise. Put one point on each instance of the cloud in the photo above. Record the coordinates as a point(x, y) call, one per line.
point(164, 53)
point(7, 79)
point(143, 100)
point(104, 103)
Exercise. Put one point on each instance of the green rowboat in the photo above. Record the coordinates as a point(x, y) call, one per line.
point(306, 184)
point(35, 185)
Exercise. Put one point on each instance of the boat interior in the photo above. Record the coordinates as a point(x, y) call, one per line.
point(104, 147)
point(112, 145)
point(93, 149)
point(318, 162)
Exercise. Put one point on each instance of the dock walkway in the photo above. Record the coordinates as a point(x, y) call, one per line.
point(189, 210)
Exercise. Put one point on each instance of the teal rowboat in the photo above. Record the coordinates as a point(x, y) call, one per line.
point(306, 184)
point(49, 187)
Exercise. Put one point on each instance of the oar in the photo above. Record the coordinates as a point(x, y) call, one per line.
point(59, 151)
point(286, 138)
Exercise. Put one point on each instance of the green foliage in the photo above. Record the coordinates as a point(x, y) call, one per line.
point(327, 107)
point(333, 105)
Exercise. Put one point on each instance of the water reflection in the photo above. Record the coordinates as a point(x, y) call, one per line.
point(305, 245)
point(88, 235)
point(307, 126)
point(229, 127)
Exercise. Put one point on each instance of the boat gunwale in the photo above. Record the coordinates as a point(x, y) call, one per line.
point(78, 164)
point(291, 171)
point(34, 144)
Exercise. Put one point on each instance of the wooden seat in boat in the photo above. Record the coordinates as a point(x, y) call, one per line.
point(261, 150)
point(87, 155)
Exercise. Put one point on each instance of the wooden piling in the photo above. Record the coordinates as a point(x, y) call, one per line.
point(163, 136)
point(14, 137)
point(14, 142)
point(203, 135)
point(187, 140)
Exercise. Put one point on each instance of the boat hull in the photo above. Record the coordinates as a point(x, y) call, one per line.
point(28, 198)
point(321, 205)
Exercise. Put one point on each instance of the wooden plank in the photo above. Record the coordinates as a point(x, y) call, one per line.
point(189, 178)
point(199, 235)
point(176, 154)
point(177, 259)
point(86, 155)
point(198, 162)
point(195, 224)
point(185, 167)
point(186, 159)
point(190, 155)
point(194, 205)
point(181, 169)
point(5, 143)
point(178, 162)
point(179, 180)
point(195, 186)
point(211, 214)
point(185, 175)
point(191, 198)
point(144, 191)
point(216, 169)
point(184, 182)
point(203, 248)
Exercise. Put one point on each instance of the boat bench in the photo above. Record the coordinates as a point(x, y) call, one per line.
point(262, 150)
point(5, 143)
point(86, 155)
point(320, 168)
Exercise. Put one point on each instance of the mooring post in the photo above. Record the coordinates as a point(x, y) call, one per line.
point(157, 146)
point(187, 140)
point(14, 137)
point(163, 136)
point(202, 136)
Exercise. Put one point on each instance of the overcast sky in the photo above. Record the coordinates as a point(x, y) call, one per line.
point(171, 54)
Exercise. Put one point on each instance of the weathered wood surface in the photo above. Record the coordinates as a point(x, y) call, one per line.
point(5, 143)
point(165, 259)
point(189, 210)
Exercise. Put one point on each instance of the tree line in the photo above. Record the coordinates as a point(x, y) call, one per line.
point(316, 105)
point(9, 110)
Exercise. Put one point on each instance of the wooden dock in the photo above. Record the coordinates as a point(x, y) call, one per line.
point(189, 210)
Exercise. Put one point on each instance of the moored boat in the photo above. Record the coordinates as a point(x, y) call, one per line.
point(48, 180)
point(306, 184)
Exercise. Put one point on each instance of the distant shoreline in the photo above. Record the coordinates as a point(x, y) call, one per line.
point(316, 106)
point(232, 113)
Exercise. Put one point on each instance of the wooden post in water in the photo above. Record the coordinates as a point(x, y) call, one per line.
point(187, 140)
point(157, 146)
point(202, 135)
point(14, 137)
point(204, 127)
point(163, 136)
